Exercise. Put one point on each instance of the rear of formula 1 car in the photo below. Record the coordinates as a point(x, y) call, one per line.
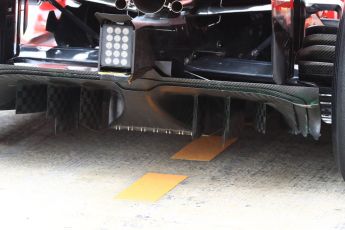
point(181, 67)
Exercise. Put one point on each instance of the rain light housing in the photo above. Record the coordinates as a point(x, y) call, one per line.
point(116, 47)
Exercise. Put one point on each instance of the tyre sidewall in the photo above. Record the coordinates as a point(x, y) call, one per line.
point(338, 120)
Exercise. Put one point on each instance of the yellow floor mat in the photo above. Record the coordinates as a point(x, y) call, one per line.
point(151, 187)
point(204, 148)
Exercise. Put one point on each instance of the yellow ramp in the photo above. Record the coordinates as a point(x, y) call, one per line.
point(151, 187)
point(205, 148)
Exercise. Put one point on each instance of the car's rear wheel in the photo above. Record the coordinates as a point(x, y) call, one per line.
point(338, 121)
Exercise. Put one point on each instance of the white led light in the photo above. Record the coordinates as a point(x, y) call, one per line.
point(116, 53)
point(109, 45)
point(123, 62)
point(124, 46)
point(117, 38)
point(125, 39)
point(109, 38)
point(108, 53)
point(107, 61)
point(110, 30)
point(124, 54)
point(117, 30)
point(117, 46)
point(125, 31)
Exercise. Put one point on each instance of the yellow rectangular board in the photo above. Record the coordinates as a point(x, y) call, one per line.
point(205, 148)
point(151, 187)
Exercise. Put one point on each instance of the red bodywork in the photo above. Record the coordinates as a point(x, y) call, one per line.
point(47, 6)
point(35, 33)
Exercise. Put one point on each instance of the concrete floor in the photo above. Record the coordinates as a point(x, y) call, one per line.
point(69, 181)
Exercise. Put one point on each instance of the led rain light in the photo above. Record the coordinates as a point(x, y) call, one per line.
point(116, 46)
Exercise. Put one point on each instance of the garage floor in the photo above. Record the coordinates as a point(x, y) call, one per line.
point(70, 181)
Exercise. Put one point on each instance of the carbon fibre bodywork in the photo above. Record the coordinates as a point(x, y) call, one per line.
point(147, 103)
point(212, 68)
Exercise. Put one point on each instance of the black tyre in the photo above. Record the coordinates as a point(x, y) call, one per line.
point(320, 73)
point(321, 30)
point(317, 53)
point(338, 113)
point(320, 39)
point(317, 56)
